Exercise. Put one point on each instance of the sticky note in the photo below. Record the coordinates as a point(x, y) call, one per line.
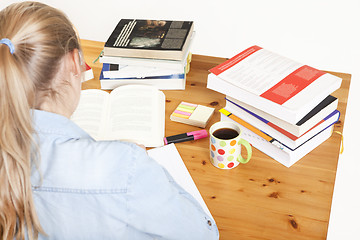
point(192, 114)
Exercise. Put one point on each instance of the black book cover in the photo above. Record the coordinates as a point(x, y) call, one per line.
point(327, 101)
point(150, 34)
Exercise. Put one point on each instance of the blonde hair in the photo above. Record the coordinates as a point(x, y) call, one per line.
point(41, 36)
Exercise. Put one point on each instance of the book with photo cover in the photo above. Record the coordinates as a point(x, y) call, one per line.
point(160, 39)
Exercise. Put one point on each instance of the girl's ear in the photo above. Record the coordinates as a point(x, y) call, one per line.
point(76, 63)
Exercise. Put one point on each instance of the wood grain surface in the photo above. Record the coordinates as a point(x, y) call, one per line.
point(262, 199)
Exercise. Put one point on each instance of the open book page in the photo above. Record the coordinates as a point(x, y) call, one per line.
point(90, 114)
point(170, 159)
point(137, 114)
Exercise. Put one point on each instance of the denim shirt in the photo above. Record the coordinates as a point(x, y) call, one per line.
point(87, 189)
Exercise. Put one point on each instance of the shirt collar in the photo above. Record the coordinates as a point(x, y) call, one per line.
point(52, 123)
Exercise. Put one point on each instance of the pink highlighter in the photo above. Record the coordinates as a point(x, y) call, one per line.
point(183, 137)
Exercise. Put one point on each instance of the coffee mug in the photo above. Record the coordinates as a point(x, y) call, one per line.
point(225, 145)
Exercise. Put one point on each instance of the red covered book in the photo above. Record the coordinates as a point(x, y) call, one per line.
point(272, 83)
point(88, 74)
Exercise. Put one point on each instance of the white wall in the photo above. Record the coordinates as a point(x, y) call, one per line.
point(321, 33)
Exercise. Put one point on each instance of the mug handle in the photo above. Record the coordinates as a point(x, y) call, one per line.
point(248, 149)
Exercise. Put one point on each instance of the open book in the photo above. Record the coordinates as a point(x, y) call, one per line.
point(134, 113)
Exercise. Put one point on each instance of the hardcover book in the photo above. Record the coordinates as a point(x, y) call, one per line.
point(150, 39)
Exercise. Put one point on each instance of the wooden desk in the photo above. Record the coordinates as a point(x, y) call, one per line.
point(262, 199)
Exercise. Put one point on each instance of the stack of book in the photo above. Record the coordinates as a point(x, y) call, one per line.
point(285, 107)
point(151, 52)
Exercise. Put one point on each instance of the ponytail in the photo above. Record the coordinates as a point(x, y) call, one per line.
point(41, 36)
point(16, 205)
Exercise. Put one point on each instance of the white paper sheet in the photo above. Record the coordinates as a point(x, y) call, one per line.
point(170, 159)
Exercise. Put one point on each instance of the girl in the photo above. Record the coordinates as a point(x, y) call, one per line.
point(56, 182)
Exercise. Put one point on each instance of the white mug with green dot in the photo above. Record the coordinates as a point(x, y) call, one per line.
point(225, 145)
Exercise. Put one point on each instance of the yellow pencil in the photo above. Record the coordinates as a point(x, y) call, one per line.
point(245, 124)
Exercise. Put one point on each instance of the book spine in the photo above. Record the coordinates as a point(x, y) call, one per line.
point(272, 125)
point(277, 128)
point(279, 152)
point(271, 139)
